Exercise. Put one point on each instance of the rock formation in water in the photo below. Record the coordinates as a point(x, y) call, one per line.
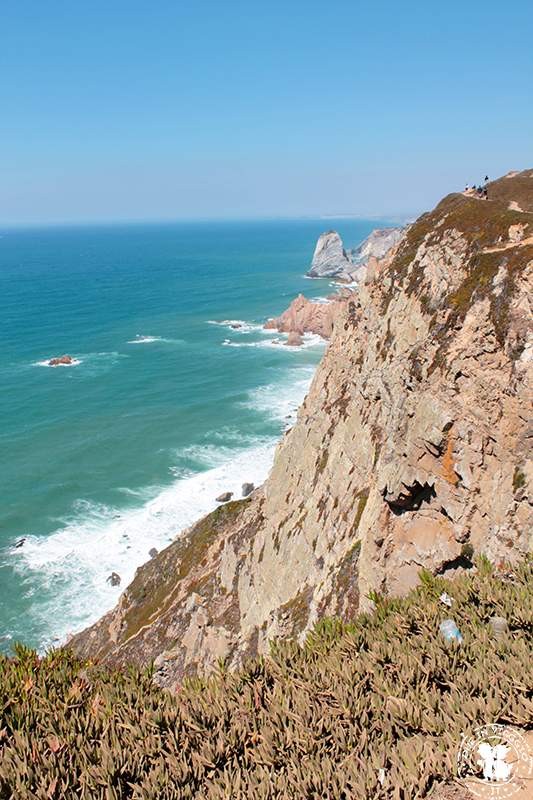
point(60, 361)
point(306, 316)
point(330, 258)
point(411, 450)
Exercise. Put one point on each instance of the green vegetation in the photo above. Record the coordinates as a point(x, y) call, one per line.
point(383, 692)
point(467, 551)
point(519, 479)
point(362, 499)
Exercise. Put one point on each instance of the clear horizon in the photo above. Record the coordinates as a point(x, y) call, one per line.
point(130, 113)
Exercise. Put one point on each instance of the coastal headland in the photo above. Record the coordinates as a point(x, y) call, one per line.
point(410, 451)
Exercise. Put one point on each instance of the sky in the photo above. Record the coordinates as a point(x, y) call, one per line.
point(180, 109)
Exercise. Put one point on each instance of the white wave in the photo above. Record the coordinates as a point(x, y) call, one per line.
point(74, 363)
point(93, 363)
point(71, 565)
point(238, 325)
point(281, 402)
point(145, 339)
point(308, 340)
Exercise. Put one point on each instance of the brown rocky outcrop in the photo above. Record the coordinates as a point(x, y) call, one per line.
point(411, 450)
point(306, 316)
point(58, 361)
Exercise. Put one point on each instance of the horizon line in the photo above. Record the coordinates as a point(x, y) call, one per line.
point(392, 217)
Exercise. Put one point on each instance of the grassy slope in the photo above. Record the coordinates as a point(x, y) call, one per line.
point(382, 692)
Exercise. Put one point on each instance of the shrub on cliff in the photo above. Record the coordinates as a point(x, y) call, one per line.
point(370, 709)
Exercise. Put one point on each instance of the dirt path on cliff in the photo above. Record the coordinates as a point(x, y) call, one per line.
point(509, 245)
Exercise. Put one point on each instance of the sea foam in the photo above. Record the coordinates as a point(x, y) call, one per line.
point(71, 565)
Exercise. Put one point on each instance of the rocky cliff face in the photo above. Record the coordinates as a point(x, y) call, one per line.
point(377, 245)
point(411, 450)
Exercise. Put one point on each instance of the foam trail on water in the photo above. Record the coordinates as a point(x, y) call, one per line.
point(282, 406)
point(74, 562)
point(308, 340)
point(239, 325)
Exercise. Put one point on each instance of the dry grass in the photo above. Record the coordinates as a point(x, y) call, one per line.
point(383, 692)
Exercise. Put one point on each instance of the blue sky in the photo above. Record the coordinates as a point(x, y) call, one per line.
point(166, 110)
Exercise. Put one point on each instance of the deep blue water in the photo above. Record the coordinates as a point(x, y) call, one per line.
point(105, 459)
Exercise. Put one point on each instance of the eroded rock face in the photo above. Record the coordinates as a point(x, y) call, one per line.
point(330, 258)
point(410, 451)
point(376, 245)
point(305, 316)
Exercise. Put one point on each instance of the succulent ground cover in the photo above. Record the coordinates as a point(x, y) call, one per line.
point(373, 708)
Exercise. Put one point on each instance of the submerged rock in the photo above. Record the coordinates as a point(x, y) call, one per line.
point(152, 552)
point(114, 579)
point(247, 488)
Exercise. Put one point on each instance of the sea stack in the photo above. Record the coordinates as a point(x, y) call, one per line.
point(330, 259)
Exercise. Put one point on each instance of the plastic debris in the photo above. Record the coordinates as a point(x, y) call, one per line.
point(446, 599)
point(381, 775)
point(450, 631)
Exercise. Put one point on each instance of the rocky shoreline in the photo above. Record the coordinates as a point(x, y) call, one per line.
point(331, 260)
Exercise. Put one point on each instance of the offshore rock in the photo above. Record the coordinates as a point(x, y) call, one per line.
point(330, 258)
point(412, 449)
point(58, 361)
point(306, 316)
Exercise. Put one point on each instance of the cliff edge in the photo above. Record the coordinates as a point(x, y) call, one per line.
point(410, 450)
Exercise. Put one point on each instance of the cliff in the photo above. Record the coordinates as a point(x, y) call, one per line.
point(410, 451)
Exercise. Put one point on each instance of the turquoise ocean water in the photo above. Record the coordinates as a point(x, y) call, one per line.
point(167, 406)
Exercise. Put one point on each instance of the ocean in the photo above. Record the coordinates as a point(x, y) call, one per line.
point(166, 406)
